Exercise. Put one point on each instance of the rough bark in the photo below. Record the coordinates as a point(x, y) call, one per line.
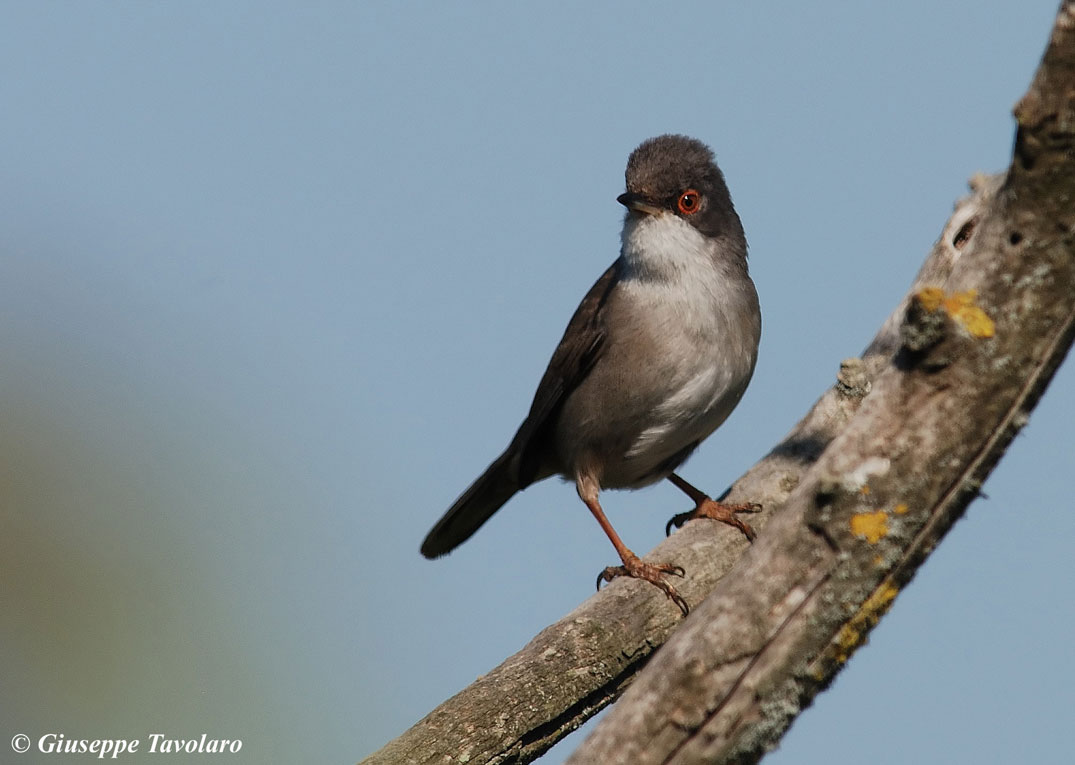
point(976, 352)
point(855, 497)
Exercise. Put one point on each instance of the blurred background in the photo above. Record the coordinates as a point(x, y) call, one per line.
point(277, 283)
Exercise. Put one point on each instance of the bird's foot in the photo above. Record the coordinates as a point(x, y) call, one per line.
point(717, 511)
point(635, 567)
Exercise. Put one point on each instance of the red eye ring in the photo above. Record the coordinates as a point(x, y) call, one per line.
point(689, 202)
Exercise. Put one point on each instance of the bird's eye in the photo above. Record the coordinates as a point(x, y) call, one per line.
point(689, 202)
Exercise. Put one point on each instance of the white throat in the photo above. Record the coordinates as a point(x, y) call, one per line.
point(666, 248)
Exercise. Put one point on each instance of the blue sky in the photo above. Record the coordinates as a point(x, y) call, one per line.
point(277, 283)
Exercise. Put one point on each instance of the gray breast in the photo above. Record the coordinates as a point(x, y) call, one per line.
point(678, 356)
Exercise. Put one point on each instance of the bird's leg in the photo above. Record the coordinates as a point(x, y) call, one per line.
point(633, 566)
point(706, 507)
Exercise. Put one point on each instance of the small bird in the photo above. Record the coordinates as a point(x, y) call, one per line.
point(655, 358)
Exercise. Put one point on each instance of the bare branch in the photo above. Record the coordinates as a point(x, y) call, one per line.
point(976, 352)
point(855, 497)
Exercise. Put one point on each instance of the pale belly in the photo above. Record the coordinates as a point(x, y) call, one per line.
point(638, 416)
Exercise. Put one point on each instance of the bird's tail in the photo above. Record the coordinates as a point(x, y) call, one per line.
point(476, 505)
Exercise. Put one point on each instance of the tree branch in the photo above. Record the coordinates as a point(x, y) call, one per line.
point(855, 497)
point(976, 353)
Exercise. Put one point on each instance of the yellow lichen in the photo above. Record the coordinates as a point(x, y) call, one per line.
point(880, 600)
point(930, 298)
point(900, 509)
point(846, 642)
point(851, 634)
point(961, 306)
point(870, 526)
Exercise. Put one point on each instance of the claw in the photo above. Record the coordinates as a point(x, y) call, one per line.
point(636, 568)
point(717, 511)
point(677, 520)
point(605, 576)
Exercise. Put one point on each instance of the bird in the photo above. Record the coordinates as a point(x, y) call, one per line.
point(655, 358)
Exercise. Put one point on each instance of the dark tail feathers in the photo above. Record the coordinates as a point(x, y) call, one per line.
point(476, 505)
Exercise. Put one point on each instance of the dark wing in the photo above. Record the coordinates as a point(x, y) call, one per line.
point(574, 357)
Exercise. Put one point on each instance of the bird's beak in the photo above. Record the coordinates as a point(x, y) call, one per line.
point(637, 204)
